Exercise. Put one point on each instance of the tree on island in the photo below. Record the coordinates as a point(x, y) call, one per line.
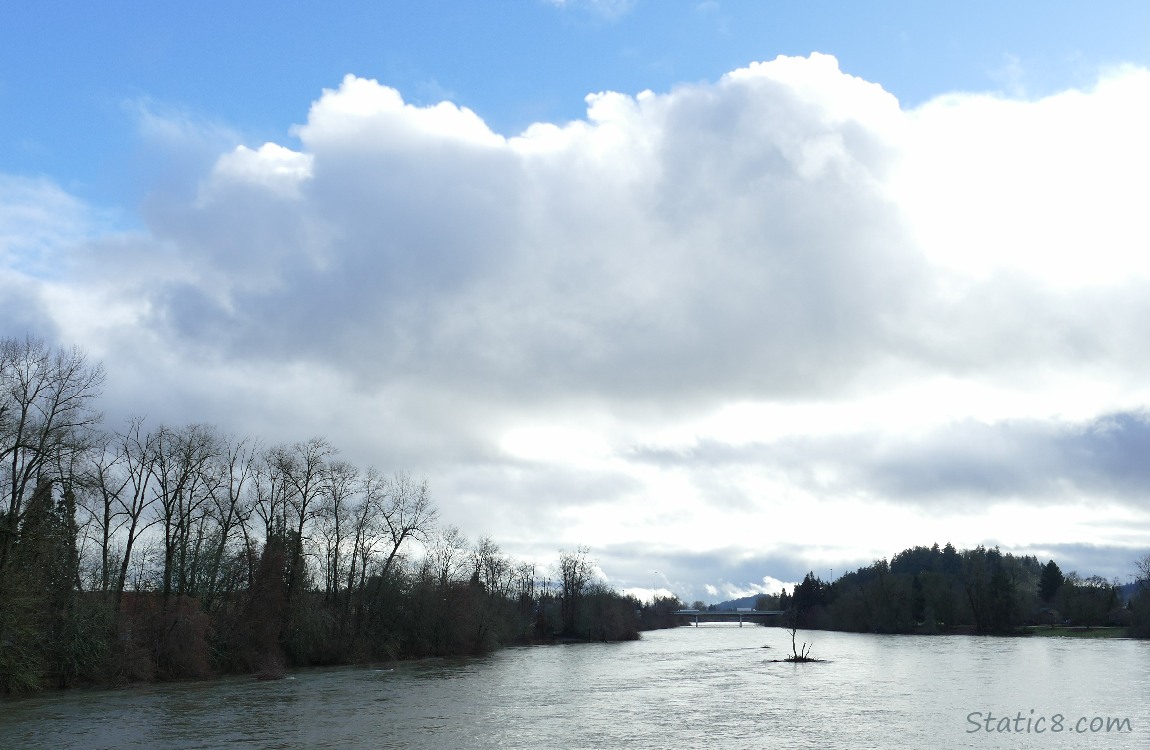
point(798, 655)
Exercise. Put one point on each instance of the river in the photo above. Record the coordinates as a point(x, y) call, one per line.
point(688, 687)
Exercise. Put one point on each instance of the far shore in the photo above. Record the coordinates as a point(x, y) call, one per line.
point(1045, 631)
point(1076, 631)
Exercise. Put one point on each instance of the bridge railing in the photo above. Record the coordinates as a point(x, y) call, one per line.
point(727, 614)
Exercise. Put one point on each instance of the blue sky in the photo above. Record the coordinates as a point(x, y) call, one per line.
point(73, 76)
point(731, 291)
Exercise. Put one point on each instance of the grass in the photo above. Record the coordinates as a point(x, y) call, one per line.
point(1076, 632)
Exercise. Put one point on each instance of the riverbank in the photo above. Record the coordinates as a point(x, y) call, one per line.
point(278, 668)
point(1042, 631)
point(1046, 631)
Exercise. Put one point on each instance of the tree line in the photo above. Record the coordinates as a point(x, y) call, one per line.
point(980, 590)
point(167, 552)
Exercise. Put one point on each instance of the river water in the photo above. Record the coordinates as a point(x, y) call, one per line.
point(686, 687)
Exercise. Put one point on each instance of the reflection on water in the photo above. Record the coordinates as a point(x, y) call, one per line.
point(680, 687)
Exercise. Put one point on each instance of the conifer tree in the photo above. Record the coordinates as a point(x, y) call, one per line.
point(1052, 580)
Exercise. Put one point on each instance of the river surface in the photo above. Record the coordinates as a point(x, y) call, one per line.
point(688, 687)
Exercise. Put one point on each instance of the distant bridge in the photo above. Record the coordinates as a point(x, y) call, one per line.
point(727, 614)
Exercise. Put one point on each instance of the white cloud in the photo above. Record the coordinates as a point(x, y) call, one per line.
point(271, 167)
point(1050, 188)
point(366, 116)
point(783, 260)
point(37, 219)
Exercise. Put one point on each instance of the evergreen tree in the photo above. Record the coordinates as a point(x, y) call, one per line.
point(1002, 597)
point(1052, 580)
point(918, 601)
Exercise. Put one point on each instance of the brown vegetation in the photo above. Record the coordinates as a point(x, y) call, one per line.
point(177, 552)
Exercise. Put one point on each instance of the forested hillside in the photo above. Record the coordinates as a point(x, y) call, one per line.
point(933, 589)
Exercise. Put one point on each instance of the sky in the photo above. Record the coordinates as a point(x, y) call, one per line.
point(725, 291)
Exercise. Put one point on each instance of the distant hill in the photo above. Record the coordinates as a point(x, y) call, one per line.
point(746, 601)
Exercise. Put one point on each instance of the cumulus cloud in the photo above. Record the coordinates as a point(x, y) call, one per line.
point(271, 167)
point(1049, 187)
point(760, 237)
point(598, 257)
point(719, 306)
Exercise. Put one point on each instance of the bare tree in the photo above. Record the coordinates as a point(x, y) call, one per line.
point(182, 467)
point(407, 513)
point(46, 414)
point(798, 655)
point(101, 504)
point(393, 511)
point(269, 491)
point(525, 581)
point(368, 531)
point(136, 454)
point(236, 465)
point(494, 570)
point(447, 554)
point(574, 573)
point(303, 466)
point(341, 486)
